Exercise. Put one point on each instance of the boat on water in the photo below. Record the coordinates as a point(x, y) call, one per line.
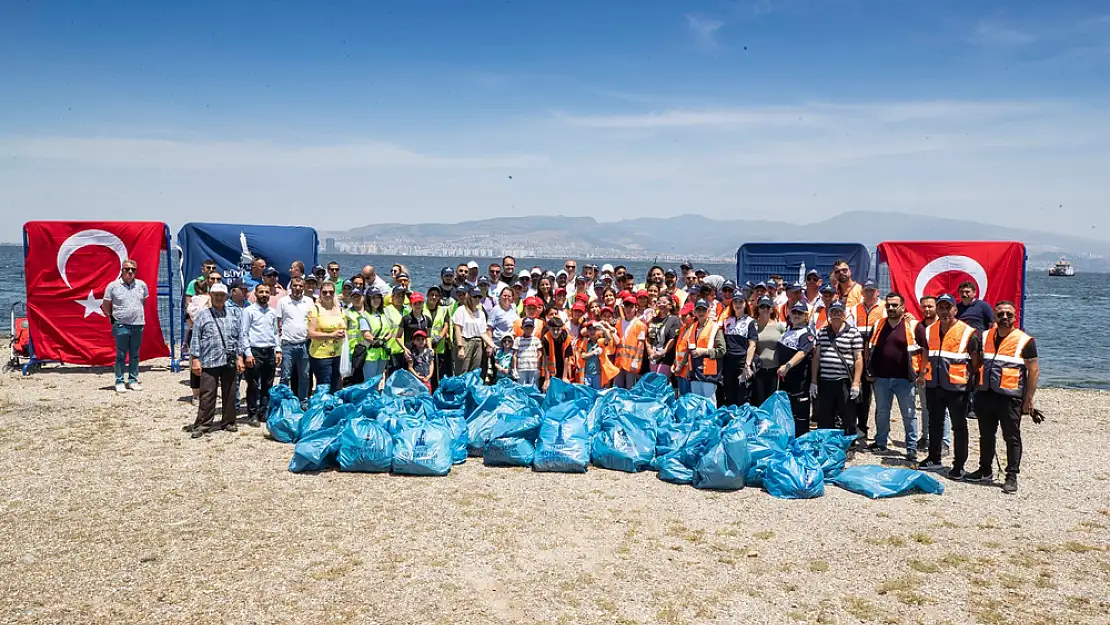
point(1062, 268)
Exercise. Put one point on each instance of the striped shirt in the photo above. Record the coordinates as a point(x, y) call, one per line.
point(838, 352)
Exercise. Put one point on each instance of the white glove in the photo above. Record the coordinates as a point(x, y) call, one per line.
point(854, 393)
point(813, 391)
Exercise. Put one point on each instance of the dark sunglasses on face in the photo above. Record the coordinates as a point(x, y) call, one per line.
point(327, 292)
point(129, 270)
point(1005, 315)
point(893, 305)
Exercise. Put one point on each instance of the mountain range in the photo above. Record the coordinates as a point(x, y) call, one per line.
point(695, 235)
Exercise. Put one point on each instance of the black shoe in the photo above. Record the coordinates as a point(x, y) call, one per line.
point(956, 474)
point(197, 433)
point(189, 428)
point(876, 448)
point(231, 427)
point(253, 422)
point(971, 415)
point(930, 465)
point(911, 458)
point(923, 442)
point(979, 476)
point(1010, 485)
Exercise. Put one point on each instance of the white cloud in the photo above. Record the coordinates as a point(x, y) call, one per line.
point(992, 34)
point(704, 30)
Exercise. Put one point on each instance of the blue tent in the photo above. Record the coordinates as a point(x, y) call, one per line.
point(757, 261)
point(224, 243)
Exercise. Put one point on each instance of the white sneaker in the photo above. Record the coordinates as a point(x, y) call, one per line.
point(120, 388)
point(135, 386)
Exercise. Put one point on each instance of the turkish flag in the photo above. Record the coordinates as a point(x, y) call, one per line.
point(68, 265)
point(937, 267)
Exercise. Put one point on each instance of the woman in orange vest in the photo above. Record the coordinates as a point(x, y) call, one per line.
point(631, 332)
point(704, 347)
point(681, 367)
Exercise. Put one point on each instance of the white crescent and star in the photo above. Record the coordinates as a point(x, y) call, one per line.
point(944, 264)
point(82, 239)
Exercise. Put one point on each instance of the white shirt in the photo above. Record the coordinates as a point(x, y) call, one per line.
point(527, 353)
point(294, 318)
point(472, 325)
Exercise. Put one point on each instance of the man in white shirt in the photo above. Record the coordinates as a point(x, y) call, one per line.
point(292, 314)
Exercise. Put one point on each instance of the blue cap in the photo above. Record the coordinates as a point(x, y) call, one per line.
point(828, 288)
point(728, 285)
point(800, 307)
point(358, 292)
point(797, 286)
point(475, 291)
point(760, 285)
point(528, 322)
point(399, 289)
point(870, 284)
point(269, 271)
point(701, 304)
point(446, 271)
point(837, 305)
point(483, 280)
point(947, 299)
point(765, 301)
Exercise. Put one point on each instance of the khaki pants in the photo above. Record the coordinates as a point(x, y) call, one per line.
point(472, 356)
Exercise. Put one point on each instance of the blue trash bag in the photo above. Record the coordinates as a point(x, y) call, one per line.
point(765, 438)
point(324, 413)
point(793, 476)
point(678, 466)
point(829, 447)
point(724, 466)
point(460, 433)
point(509, 451)
point(502, 416)
point(451, 393)
point(404, 383)
point(692, 408)
point(423, 450)
point(655, 386)
point(564, 442)
point(477, 392)
point(877, 481)
point(669, 436)
point(777, 407)
point(626, 437)
point(359, 392)
point(284, 419)
point(559, 392)
point(316, 451)
point(365, 446)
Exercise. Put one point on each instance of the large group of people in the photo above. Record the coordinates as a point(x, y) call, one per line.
point(832, 344)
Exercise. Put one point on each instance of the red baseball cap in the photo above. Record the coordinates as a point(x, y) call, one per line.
point(623, 294)
point(629, 301)
point(581, 297)
point(642, 293)
point(606, 309)
point(579, 306)
point(416, 298)
point(420, 333)
point(688, 309)
point(533, 301)
point(560, 290)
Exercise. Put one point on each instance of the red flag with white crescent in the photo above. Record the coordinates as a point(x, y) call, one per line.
point(935, 267)
point(68, 266)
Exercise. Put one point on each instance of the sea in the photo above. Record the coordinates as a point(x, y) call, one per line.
point(1055, 308)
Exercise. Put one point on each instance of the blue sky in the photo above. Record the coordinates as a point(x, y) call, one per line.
point(339, 114)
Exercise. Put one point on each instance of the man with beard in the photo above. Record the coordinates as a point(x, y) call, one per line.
point(373, 280)
point(263, 353)
point(1007, 383)
point(953, 354)
point(848, 290)
point(508, 270)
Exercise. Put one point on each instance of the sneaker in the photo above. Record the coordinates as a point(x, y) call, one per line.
point(956, 474)
point(197, 433)
point(253, 422)
point(911, 457)
point(120, 388)
point(135, 386)
point(876, 448)
point(923, 442)
point(231, 427)
point(1010, 486)
point(930, 465)
point(979, 476)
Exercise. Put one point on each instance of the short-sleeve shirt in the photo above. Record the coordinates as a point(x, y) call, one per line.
point(527, 352)
point(473, 325)
point(977, 314)
point(738, 331)
point(793, 341)
point(422, 360)
point(128, 301)
point(501, 322)
point(410, 323)
point(837, 353)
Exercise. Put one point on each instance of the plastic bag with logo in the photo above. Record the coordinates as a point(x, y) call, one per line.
point(724, 466)
point(677, 467)
point(765, 438)
point(500, 416)
point(365, 446)
point(564, 443)
point(316, 451)
point(829, 447)
point(513, 436)
point(284, 419)
point(404, 383)
point(777, 408)
point(398, 413)
point(423, 450)
point(877, 482)
point(791, 475)
point(626, 438)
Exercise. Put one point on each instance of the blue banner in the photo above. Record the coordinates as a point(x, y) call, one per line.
point(235, 246)
point(758, 261)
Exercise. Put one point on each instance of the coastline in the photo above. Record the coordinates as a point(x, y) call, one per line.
point(113, 514)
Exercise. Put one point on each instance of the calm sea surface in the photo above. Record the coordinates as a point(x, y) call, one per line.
point(1056, 308)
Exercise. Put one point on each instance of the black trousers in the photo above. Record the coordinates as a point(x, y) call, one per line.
point(445, 367)
point(994, 410)
point(835, 405)
point(955, 402)
point(801, 407)
point(260, 378)
point(863, 406)
point(735, 392)
point(762, 385)
point(215, 380)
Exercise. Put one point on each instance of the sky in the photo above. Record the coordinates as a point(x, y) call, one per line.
point(341, 114)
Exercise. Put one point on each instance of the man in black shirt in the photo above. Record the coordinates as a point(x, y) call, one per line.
point(974, 312)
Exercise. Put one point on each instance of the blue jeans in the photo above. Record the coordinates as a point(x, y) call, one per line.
point(294, 361)
point(128, 339)
point(593, 381)
point(372, 368)
point(530, 378)
point(707, 390)
point(886, 389)
point(925, 423)
point(683, 385)
point(326, 371)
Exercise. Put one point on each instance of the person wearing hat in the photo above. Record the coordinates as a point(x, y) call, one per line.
point(836, 371)
point(270, 279)
point(320, 273)
point(237, 293)
point(486, 296)
point(395, 312)
point(764, 379)
point(525, 282)
point(630, 333)
point(354, 314)
point(216, 350)
point(953, 354)
point(792, 294)
point(447, 285)
point(574, 318)
point(472, 273)
point(376, 330)
point(680, 369)
point(403, 280)
point(812, 292)
point(705, 346)
point(728, 293)
point(591, 357)
point(421, 359)
point(312, 286)
point(473, 343)
point(528, 352)
point(557, 352)
point(896, 356)
point(582, 287)
point(821, 308)
point(866, 314)
point(559, 303)
point(776, 290)
point(794, 351)
point(439, 334)
point(412, 322)
point(532, 307)
point(741, 335)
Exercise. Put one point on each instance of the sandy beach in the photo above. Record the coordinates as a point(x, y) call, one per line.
point(113, 515)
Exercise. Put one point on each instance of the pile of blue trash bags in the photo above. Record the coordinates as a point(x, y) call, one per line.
point(405, 430)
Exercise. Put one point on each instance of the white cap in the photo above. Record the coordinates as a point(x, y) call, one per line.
point(606, 268)
point(562, 273)
point(472, 265)
point(219, 287)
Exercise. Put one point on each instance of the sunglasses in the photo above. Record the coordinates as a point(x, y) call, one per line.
point(813, 279)
point(893, 305)
point(570, 266)
point(129, 270)
point(327, 292)
point(1005, 315)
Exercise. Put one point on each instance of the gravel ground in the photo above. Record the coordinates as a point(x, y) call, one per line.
point(112, 514)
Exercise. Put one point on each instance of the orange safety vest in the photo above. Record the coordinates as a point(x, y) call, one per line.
point(703, 340)
point(518, 330)
point(864, 317)
point(681, 367)
point(917, 362)
point(608, 369)
point(821, 319)
point(630, 350)
point(548, 366)
point(948, 356)
point(1003, 367)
